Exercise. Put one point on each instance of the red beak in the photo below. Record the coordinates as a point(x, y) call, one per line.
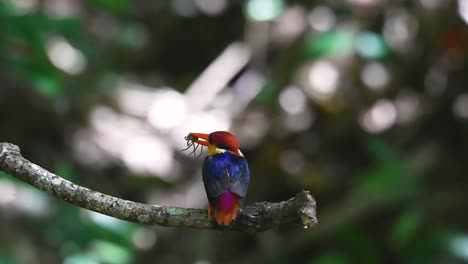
point(199, 138)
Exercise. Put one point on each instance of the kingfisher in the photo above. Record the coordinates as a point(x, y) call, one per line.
point(225, 174)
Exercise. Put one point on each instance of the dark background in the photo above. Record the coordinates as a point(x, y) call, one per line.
point(362, 102)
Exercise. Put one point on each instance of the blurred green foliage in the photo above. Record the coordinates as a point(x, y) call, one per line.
point(382, 147)
point(334, 43)
point(24, 43)
point(118, 7)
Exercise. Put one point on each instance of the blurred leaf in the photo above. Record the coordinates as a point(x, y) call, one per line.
point(7, 260)
point(459, 246)
point(333, 43)
point(4, 175)
point(118, 7)
point(6, 9)
point(108, 252)
point(332, 258)
point(47, 85)
point(371, 45)
point(31, 28)
point(74, 225)
point(388, 178)
point(405, 227)
point(132, 36)
point(383, 152)
point(27, 36)
point(81, 258)
point(44, 77)
point(264, 10)
point(72, 30)
point(428, 245)
point(65, 170)
point(268, 92)
point(360, 245)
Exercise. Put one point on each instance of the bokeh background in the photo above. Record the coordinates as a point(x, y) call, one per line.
point(362, 102)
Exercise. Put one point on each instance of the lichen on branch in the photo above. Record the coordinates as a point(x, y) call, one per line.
point(256, 217)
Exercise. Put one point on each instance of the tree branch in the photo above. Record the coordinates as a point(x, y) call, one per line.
point(252, 218)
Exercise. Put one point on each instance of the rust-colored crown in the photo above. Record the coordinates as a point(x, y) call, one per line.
point(224, 140)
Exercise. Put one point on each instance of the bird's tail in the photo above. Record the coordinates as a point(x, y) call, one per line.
point(227, 208)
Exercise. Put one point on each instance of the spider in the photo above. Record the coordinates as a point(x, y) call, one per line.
point(191, 143)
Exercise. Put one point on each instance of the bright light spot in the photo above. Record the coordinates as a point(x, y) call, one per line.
point(148, 154)
point(212, 7)
point(65, 57)
point(399, 28)
point(408, 106)
point(380, 117)
point(201, 122)
point(299, 122)
point(432, 4)
point(33, 202)
point(23, 199)
point(144, 238)
point(110, 252)
point(186, 8)
point(246, 89)
point(62, 8)
point(322, 18)
point(118, 128)
point(209, 121)
point(375, 76)
point(217, 75)
point(292, 161)
point(110, 129)
point(115, 137)
point(25, 6)
point(7, 192)
point(105, 221)
point(370, 45)
point(463, 10)
point(202, 262)
point(323, 77)
point(365, 3)
point(459, 246)
point(104, 119)
point(87, 152)
point(289, 25)
point(168, 110)
point(134, 98)
point(460, 106)
point(224, 99)
point(81, 259)
point(264, 10)
point(292, 100)
point(254, 126)
point(187, 193)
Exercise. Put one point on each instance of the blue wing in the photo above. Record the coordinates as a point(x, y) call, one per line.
point(225, 171)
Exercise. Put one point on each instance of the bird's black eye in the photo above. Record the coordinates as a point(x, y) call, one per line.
point(210, 139)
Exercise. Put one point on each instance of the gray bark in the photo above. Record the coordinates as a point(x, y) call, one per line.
point(260, 216)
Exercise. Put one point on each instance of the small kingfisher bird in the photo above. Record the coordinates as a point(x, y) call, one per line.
point(225, 174)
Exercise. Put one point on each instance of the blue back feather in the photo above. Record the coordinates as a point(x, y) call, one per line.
point(225, 171)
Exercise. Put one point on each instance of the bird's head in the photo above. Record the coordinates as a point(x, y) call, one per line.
point(217, 142)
